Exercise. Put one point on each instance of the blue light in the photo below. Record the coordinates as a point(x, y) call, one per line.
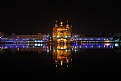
point(86, 46)
point(116, 40)
point(116, 44)
point(35, 44)
point(35, 41)
point(40, 41)
point(38, 44)
point(74, 44)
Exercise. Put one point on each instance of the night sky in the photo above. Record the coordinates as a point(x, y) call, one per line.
point(90, 18)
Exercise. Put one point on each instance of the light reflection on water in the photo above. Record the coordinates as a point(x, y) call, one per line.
point(60, 62)
point(62, 53)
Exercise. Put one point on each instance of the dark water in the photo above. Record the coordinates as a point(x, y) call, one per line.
point(84, 64)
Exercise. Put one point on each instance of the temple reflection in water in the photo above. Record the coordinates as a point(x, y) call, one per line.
point(62, 43)
point(61, 53)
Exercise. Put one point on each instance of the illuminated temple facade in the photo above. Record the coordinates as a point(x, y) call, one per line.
point(61, 33)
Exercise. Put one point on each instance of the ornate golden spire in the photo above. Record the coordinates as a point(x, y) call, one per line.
point(61, 23)
point(56, 25)
point(67, 23)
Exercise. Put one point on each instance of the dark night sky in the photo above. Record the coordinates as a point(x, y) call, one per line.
point(91, 18)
